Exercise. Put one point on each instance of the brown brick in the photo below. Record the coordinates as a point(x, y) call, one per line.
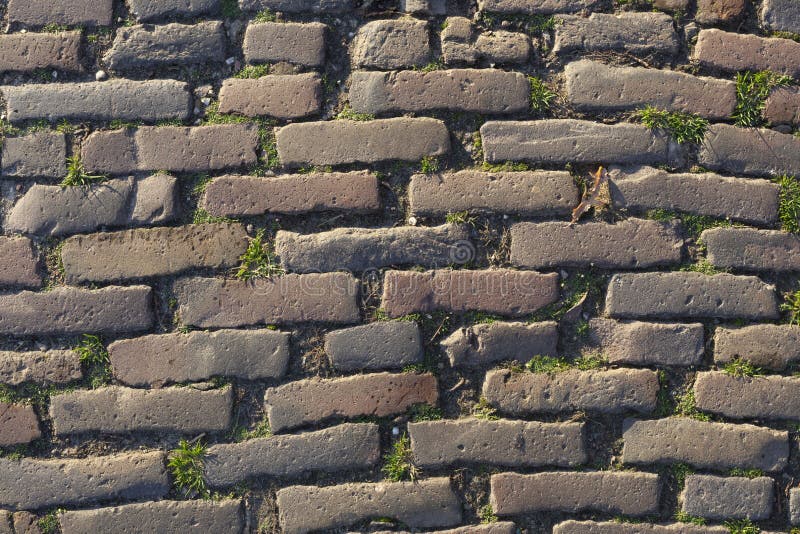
point(714, 497)
point(736, 52)
point(504, 47)
point(66, 12)
point(496, 527)
point(52, 366)
point(298, 6)
point(640, 343)
point(391, 44)
point(762, 397)
point(765, 345)
point(288, 96)
point(27, 52)
point(748, 249)
point(753, 151)
point(375, 346)
point(639, 34)
point(39, 155)
point(18, 424)
point(719, 11)
point(18, 263)
point(783, 106)
point(482, 344)
point(148, 46)
point(273, 42)
point(614, 527)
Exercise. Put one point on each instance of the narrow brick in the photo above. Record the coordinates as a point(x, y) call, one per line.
point(631, 494)
point(748, 249)
point(391, 44)
point(765, 345)
point(688, 294)
point(298, 6)
point(720, 498)
point(161, 359)
point(755, 151)
point(149, 10)
point(30, 484)
point(482, 344)
point(69, 310)
point(289, 96)
point(425, 503)
point(25, 523)
point(344, 447)
point(375, 346)
point(343, 141)
point(273, 42)
point(783, 106)
point(763, 397)
point(640, 34)
point(63, 12)
point(545, 7)
point(640, 343)
point(291, 298)
point(736, 52)
point(718, 446)
point(794, 506)
point(504, 442)
point(6, 526)
point(18, 263)
point(615, 527)
point(52, 366)
point(18, 424)
point(119, 410)
point(26, 52)
point(780, 15)
point(39, 155)
point(501, 291)
point(106, 257)
point(496, 527)
point(147, 46)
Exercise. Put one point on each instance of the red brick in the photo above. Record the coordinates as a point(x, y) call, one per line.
point(280, 96)
point(18, 263)
point(18, 424)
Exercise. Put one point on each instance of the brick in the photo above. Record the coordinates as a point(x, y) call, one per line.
point(628, 244)
point(25, 523)
point(39, 155)
point(149, 10)
point(504, 47)
point(298, 6)
point(794, 506)
point(780, 15)
point(147, 46)
point(488, 91)
point(763, 397)
point(631, 494)
point(69, 310)
point(752, 250)
point(640, 343)
point(273, 42)
point(755, 151)
point(148, 101)
point(719, 11)
point(171, 148)
point(604, 391)
point(18, 263)
point(31, 484)
point(161, 516)
point(715, 497)
point(63, 12)
point(425, 7)
point(425, 503)
point(764, 345)
point(361, 249)
point(783, 106)
point(343, 141)
point(119, 410)
point(504, 442)
point(391, 44)
point(52, 366)
point(689, 294)
point(530, 193)
point(614, 527)
point(52, 210)
point(237, 196)
point(376, 346)
point(291, 298)
point(5, 523)
point(501, 291)
point(341, 448)
point(545, 7)
point(106, 257)
point(718, 446)
point(640, 34)
point(497, 527)
point(160, 359)
point(482, 344)
point(379, 394)
point(594, 86)
point(736, 52)
point(288, 96)
point(26, 52)
point(18, 424)
point(643, 188)
point(571, 140)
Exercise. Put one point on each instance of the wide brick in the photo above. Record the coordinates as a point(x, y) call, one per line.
point(148, 10)
point(291, 298)
point(765, 345)
point(571, 140)
point(341, 448)
point(18, 263)
point(376, 346)
point(298, 6)
point(30, 484)
point(69, 310)
point(639, 34)
point(717, 446)
point(118, 410)
point(501, 291)
point(345, 141)
point(530, 193)
point(715, 497)
point(752, 250)
point(507, 443)
point(783, 106)
point(644, 188)
point(64, 12)
point(391, 44)
point(39, 155)
point(763, 397)
point(236, 196)
point(529, 8)
point(18, 424)
point(148, 46)
point(609, 492)
point(27, 52)
point(144, 253)
point(640, 343)
point(422, 504)
point(149, 101)
point(780, 15)
point(273, 42)
point(756, 151)
point(52, 366)
point(592, 85)
point(160, 359)
point(54, 210)
point(288, 96)
point(736, 52)
point(689, 294)
point(482, 344)
point(496, 527)
point(171, 148)
point(618, 527)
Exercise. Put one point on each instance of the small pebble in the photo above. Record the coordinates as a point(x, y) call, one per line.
point(230, 60)
point(395, 431)
point(412, 221)
point(100, 75)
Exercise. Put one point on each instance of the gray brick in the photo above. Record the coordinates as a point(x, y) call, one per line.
point(794, 506)
point(715, 497)
point(273, 42)
point(376, 346)
point(783, 106)
point(425, 7)
point(39, 155)
point(18, 263)
point(288, 96)
point(5, 523)
point(52, 366)
point(727, 51)
point(66, 12)
point(640, 343)
point(298, 6)
point(639, 34)
point(482, 344)
point(763, 397)
point(765, 345)
point(528, 8)
point(614, 527)
point(780, 15)
point(26, 52)
point(149, 10)
point(504, 47)
point(147, 46)
point(391, 44)
point(749, 150)
point(748, 249)
point(18, 424)
point(497, 527)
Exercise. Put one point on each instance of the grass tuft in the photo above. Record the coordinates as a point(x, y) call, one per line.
point(547, 364)
point(740, 368)
point(486, 514)
point(252, 71)
point(213, 116)
point(484, 410)
point(265, 16)
point(49, 524)
point(424, 412)
point(230, 9)
point(752, 90)
point(258, 261)
point(747, 473)
point(791, 304)
point(742, 526)
point(683, 517)
point(589, 362)
point(429, 165)
point(686, 406)
point(202, 216)
point(541, 95)
point(789, 203)
point(77, 175)
point(680, 471)
point(347, 113)
point(683, 127)
point(459, 217)
point(400, 462)
point(94, 356)
point(186, 464)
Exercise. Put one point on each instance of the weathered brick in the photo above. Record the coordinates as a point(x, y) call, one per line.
point(25, 523)
point(66, 12)
point(689, 294)
point(783, 106)
point(752, 250)
point(287, 96)
point(52, 366)
point(507, 443)
point(147, 46)
point(148, 10)
point(340, 448)
point(471, 90)
point(615, 527)
point(631, 494)
point(106, 257)
point(765, 345)
point(503, 47)
point(39, 155)
point(6, 526)
point(171, 148)
point(391, 44)
point(780, 15)
point(27, 52)
point(376, 346)
point(18, 263)
point(69, 310)
point(18, 424)
point(757, 151)
point(501, 291)
point(717, 446)
point(298, 6)
point(715, 497)
point(30, 484)
point(529, 8)
point(422, 504)
point(273, 42)
point(794, 506)
point(640, 343)
point(212, 302)
point(485, 343)
point(763, 397)
point(636, 33)
point(160, 359)
point(425, 7)
point(118, 410)
point(737, 51)
point(496, 527)
point(149, 101)
point(719, 11)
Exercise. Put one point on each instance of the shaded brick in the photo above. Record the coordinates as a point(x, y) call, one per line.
point(148, 10)
point(18, 424)
point(794, 506)
point(780, 15)
point(52, 366)
point(5, 523)
point(39, 155)
point(752, 250)
point(497, 527)
point(529, 8)
point(756, 151)
point(715, 497)
point(283, 96)
point(636, 33)
point(147, 46)
point(783, 106)
point(375, 346)
point(27, 52)
point(482, 344)
point(719, 11)
point(762, 397)
point(736, 52)
point(18, 263)
point(391, 44)
point(640, 343)
point(273, 42)
point(298, 6)
point(425, 7)
point(615, 527)
point(765, 345)
point(26, 523)
point(66, 12)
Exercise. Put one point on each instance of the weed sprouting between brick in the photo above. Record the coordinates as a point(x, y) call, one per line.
point(541, 95)
point(747, 473)
point(483, 410)
point(77, 175)
point(424, 412)
point(94, 357)
point(791, 305)
point(347, 113)
point(683, 127)
point(252, 72)
point(740, 368)
point(486, 514)
point(752, 90)
point(789, 203)
point(686, 406)
point(429, 165)
point(742, 526)
point(399, 463)
point(258, 261)
point(186, 463)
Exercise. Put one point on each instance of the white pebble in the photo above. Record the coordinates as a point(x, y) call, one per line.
point(230, 60)
point(100, 75)
point(395, 431)
point(412, 221)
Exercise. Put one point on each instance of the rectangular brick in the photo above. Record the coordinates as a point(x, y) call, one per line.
point(313, 400)
point(148, 46)
point(291, 298)
point(496, 527)
point(737, 52)
point(763, 397)
point(298, 6)
point(780, 15)
point(714, 497)
point(26, 52)
point(148, 10)
point(62, 12)
point(640, 34)
point(765, 345)
point(19, 263)
point(288, 96)
point(640, 343)
point(544, 7)
point(748, 249)
point(615, 527)
point(783, 106)
point(39, 155)
point(18, 424)
point(753, 151)
point(391, 44)
point(292, 42)
point(794, 506)
point(52, 366)
point(375, 346)
point(482, 344)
